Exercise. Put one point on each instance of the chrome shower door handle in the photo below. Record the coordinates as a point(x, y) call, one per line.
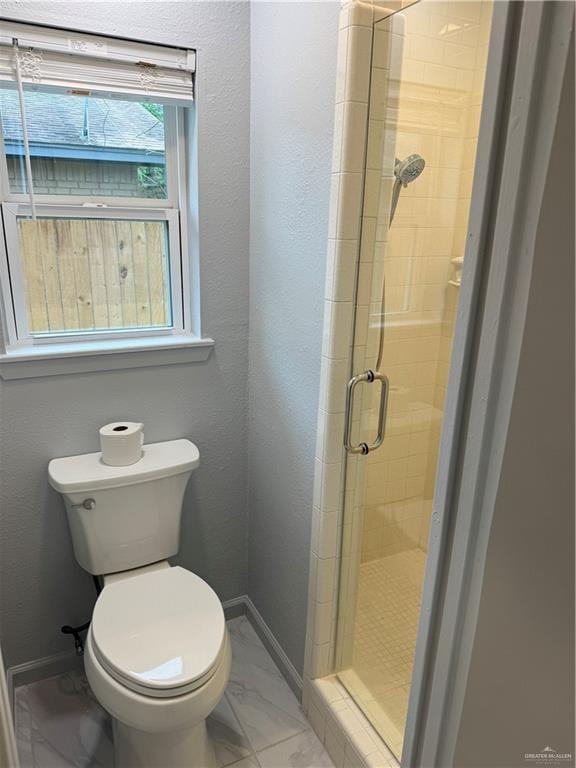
point(352, 384)
point(383, 412)
point(369, 377)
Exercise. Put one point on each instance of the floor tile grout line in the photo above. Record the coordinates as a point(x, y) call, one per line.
point(237, 713)
point(230, 703)
point(307, 727)
point(287, 738)
point(252, 757)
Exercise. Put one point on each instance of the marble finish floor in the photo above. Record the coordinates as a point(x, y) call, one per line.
point(258, 724)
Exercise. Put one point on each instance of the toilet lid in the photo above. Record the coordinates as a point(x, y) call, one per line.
point(160, 633)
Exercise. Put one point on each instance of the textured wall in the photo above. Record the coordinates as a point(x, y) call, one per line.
point(293, 83)
point(41, 585)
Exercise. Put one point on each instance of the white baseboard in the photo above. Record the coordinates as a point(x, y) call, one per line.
point(39, 669)
point(288, 670)
point(234, 607)
point(8, 749)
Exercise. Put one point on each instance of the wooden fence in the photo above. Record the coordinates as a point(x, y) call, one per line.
point(90, 274)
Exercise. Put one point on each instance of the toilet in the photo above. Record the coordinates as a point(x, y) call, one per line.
point(157, 654)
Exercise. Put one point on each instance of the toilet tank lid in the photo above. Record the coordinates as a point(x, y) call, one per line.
point(87, 472)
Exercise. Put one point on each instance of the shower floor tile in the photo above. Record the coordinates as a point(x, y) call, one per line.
point(258, 723)
point(388, 607)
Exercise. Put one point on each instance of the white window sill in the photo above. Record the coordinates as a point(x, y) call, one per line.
point(83, 357)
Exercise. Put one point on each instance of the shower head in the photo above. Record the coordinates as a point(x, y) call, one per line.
point(407, 170)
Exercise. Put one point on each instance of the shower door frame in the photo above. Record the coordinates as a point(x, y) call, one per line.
point(527, 58)
point(514, 96)
point(453, 435)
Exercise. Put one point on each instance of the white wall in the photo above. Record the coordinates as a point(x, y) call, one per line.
point(520, 689)
point(293, 82)
point(41, 586)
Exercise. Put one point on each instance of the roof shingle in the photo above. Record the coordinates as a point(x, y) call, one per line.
point(59, 119)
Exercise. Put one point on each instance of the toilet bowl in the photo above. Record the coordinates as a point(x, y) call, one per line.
point(157, 655)
point(158, 658)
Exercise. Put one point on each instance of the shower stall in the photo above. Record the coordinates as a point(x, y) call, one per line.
point(425, 70)
point(427, 76)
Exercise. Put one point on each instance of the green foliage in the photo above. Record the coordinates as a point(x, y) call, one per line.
point(152, 178)
point(152, 181)
point(155, 109)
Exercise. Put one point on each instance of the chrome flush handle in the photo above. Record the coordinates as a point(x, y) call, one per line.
point(86, 504)
point(369, 377)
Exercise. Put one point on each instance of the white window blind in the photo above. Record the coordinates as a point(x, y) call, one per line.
point(52, 59)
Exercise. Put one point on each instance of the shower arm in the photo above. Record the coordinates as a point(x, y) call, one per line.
point(397, 188)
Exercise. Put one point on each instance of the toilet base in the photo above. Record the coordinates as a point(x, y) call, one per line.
point(189, 748)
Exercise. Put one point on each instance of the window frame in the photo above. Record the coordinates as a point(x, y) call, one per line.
point(174, 209)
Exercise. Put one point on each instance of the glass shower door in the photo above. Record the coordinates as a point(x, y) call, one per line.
point(428, 68)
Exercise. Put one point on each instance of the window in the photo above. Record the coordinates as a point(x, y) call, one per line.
point(94, 197)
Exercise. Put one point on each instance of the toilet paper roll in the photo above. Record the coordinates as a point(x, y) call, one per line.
point(121, 443)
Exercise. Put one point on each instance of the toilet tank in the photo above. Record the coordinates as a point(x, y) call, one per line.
point(125, 517)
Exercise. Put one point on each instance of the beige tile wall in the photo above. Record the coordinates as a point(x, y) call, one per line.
point(431, 105)
point(351, 108)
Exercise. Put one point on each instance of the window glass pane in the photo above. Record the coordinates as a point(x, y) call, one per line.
point(87, 146)
point(95, 274)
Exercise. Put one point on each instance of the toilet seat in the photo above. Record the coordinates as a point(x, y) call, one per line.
point(159, 633)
